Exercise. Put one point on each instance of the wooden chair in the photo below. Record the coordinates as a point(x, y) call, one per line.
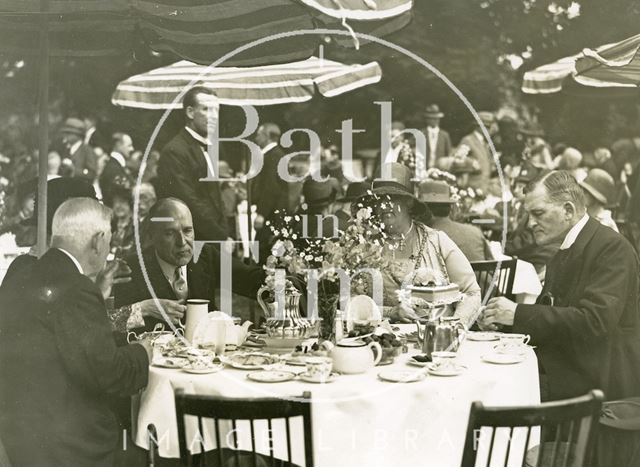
point(152, 454)
point(571, 423)
point(251, 410)
point(500, 273)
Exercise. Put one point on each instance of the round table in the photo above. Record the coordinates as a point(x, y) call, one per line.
point(359, 419)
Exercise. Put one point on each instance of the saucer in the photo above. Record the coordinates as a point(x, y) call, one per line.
point(271, 376)
point(309, 379)
point(503, 358)
point(203, 371)
point(170, 362)
point(448, 370)
point(401, 376)
point(518, 350)
point(482, 336)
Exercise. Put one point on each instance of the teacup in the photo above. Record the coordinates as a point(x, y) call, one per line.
point(513, 342)
point(318, 368)
point(443, 359)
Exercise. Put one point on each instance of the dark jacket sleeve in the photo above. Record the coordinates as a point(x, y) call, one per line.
point(246, 279)
point(87, 347)
point(598, 310)
point(176, 177)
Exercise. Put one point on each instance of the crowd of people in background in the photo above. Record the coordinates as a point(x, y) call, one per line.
point(471, 186)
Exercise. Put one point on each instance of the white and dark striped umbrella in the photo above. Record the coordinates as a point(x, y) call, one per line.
point(261, 85)
point(615, 65)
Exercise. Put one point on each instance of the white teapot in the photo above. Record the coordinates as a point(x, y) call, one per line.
point(355, 356)
point(220, 326)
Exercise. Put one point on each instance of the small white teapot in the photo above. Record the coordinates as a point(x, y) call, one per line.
point(353, 357)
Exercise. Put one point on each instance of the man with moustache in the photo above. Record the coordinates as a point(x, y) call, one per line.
point(585, 322)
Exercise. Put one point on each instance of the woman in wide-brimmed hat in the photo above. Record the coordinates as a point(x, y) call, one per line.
point(413, 246)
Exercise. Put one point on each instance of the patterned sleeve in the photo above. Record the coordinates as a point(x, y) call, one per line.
point(126, 317)
point(119, 318)
point(461, 273)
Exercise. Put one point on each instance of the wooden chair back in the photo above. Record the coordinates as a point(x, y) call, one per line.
point(567, 430)
point(500, 273)
point(235, 410)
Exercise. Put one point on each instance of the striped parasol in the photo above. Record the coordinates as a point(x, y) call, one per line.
point(261, 85)
point(615, 65)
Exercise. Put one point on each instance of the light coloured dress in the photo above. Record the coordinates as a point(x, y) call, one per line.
point(435, 251)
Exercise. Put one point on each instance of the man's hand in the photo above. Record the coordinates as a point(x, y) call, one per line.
point(403, 314)
point(114, 272)
point(174, 309)
point(499, 310)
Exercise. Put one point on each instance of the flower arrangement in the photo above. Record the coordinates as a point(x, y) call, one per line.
point(358, 246)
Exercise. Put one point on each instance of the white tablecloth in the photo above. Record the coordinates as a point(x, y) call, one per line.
point(358, 419)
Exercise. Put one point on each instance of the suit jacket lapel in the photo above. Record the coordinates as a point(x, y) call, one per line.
point(161, 285)
point(573, 257)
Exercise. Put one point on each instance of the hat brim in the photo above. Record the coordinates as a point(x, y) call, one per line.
point(74, 131)
point(434, 115)
point(426, 199)
point(419, 208)
point(595, 193)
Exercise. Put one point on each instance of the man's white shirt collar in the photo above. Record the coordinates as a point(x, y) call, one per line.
point(570, 239)
point(269, 147)
point(119, 159)
point(197, 136)
point(169, 270)
point(72, 258)
point(74, 147)
point(204, 141)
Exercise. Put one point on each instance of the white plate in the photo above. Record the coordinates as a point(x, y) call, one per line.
point(241, 366)
point(401, 376)
point(449, 370)
point(203, 371)
point(482, 336)
point(170, 362)
point(269, 376)
point(503, 358)
point(331, 378)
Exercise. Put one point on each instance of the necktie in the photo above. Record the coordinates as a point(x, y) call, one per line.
point(180, 285)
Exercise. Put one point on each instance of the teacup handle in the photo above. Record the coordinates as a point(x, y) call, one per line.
point(131, 336)
point(377, 349)
point(526, 340)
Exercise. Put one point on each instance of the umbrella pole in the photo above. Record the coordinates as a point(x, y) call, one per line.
point(249, 226)
point(43, 131)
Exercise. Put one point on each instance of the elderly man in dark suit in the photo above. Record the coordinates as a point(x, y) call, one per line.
point(173, 271)
point(438, 140)
point(437, 196)
point(585, 322)
point(59, 364)
point(184, 161)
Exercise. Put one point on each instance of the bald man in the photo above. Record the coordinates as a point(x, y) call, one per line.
point(170, 266)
